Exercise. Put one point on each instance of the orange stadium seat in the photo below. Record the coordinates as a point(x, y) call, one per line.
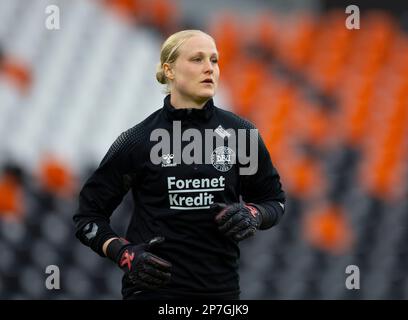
point(126, 8)
point(11, 196)
point(17, 73)
point(263, 31)
point(294, 40)
point(226, 32)
point(56, 177)
point(327, 228)
point(304, 177)
point(163, 14)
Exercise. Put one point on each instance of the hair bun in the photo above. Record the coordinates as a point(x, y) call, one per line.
point(160, 76)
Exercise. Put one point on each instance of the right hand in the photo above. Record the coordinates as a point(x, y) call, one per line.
point(143, 268)
point(237, 221)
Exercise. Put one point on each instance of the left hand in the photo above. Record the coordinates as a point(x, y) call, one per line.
point(237, 221)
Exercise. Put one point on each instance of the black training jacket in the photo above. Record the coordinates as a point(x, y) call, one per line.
point(173, 198)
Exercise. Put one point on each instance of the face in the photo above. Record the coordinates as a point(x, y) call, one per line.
point(194, 75)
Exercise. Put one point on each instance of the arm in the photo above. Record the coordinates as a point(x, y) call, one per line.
point(101, 195)
point(263, 200)
point(263, 190)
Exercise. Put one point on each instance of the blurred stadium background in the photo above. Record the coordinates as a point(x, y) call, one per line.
point(331, 104)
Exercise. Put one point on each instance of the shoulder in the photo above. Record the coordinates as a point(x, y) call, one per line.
point(138, 133)
point(132, 138)
point(234, 120)
point(231, 120)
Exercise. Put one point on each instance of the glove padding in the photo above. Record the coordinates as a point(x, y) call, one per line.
point(237, 221)
point(143, 268)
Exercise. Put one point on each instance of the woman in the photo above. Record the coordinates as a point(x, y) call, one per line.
point(190, 211)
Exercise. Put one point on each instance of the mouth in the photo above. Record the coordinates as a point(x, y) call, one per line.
point(208, 81)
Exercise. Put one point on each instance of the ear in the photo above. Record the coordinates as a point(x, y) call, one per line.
point(168, 71)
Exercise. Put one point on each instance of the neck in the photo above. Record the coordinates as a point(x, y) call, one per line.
point(181, 102)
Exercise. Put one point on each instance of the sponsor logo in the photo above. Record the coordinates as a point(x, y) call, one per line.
point(223, 158)
point(168, 160)
point(193, 194)
point(90, 230)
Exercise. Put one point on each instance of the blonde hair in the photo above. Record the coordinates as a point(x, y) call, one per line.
point(170, 52)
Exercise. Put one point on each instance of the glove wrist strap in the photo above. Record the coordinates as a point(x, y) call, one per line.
point(115, 249)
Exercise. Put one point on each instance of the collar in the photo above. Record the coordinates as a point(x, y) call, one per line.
point(172, 113)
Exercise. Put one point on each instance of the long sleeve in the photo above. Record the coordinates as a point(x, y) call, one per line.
point(103, 192)
point(264, 189)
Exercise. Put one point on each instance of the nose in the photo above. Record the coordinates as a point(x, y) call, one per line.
point(208, 68)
